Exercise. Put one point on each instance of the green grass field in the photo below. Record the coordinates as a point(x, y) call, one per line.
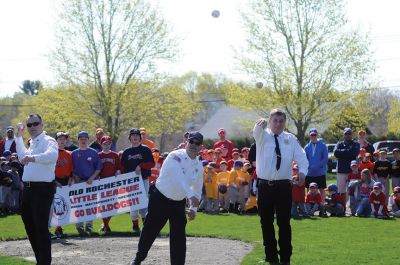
point(347, 240)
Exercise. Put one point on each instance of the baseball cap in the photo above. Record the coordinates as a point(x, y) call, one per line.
point(155, 150)
point(14, 154)
point(60, 134)
point(396, 190)
point(221, 130)
point(205, 163)
point(238, 163)
point(98, 130)
point(83, 134)
point(223, 162)
point(347, 130)
point(196, 135)
point(212, 164)
point(105, 139)
point(313, 131)
point(134, 131)
point(383, 151)
point(378, 184)
point(332, 187)
point(313, 184)
point(235, 150)
point(14, 164)
point(245, 149)
point(247, 163)
point(10, 128)
point(353, 162)
point(7, 153)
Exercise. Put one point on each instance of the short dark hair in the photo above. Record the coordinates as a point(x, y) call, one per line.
point(35, 115)
point(277, 112)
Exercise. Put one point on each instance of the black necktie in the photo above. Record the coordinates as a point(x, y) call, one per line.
point(278, 152)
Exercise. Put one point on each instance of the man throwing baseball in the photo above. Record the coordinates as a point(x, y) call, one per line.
point(181, 177)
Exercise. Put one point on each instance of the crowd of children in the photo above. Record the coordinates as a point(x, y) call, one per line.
point(230, 181)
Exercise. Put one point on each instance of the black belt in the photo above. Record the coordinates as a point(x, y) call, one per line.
point(37, 184)
point(273, 182)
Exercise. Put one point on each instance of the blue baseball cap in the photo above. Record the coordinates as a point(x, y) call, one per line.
point(238, 163)
point(378, 184)
point(7, 153)
point(83, 134)
point(196, 135)
point(353, 162)
point(313, 131)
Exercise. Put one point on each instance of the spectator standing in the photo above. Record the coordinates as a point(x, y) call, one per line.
point(225, 142)
point(345, 151)
point(317, 155)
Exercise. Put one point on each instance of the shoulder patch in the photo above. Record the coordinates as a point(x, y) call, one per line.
point(177, 158)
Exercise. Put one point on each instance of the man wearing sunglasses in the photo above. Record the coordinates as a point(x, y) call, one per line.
point(276, 150)
point(181, 177)
point(38, 178)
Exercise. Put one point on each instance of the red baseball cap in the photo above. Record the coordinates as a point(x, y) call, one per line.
point(105, 139)
point(222, 130)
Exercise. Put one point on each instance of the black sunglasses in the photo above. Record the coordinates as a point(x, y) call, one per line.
point(194, 142)
point(34, 124)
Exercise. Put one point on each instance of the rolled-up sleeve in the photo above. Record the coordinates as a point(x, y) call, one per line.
point(50, 155)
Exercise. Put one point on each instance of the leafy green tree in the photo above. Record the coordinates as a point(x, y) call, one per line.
point(30, 87)
point(305, 53)
point(104, 46)
point(393, 117)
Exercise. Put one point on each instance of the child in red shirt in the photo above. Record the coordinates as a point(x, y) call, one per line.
point(355, 173)
point(111, 167)
point(313, 200)
point(395, 201)
point(377, 201)
point(366, 163)
point(335, 201)
point(298, 194)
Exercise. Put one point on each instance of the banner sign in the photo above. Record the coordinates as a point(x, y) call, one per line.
point(103, 198)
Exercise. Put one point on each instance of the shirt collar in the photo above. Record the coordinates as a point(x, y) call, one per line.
point(39, 136)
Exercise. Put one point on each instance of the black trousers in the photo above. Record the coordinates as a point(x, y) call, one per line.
point(276, 199)
point(160, 210)
point(35, 213)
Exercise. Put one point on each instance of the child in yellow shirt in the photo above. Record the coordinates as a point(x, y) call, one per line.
point(211, 187)
point(223, 184)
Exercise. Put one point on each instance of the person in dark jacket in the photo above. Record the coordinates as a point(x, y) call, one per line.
point(345, 151)
point(317, 155)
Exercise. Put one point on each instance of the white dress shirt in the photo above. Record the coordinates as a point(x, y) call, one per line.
point(180, 176)
point(45, 151)
point(266, 156)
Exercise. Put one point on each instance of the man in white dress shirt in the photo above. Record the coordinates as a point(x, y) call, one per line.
point(181, 177)
point(276, 151)
point(39, 188)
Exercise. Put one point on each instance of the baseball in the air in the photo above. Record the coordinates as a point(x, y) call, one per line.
point(259, 84)
point(215, 13)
